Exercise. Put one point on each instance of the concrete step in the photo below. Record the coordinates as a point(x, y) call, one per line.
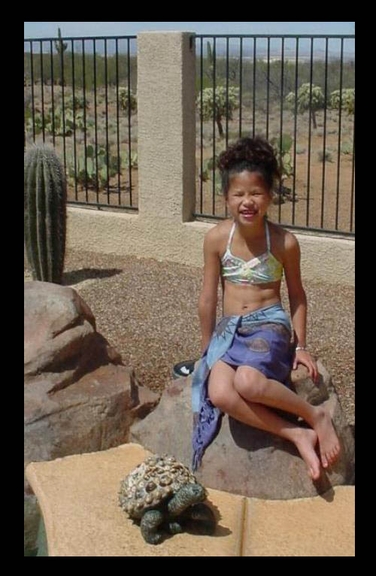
point(78, 497)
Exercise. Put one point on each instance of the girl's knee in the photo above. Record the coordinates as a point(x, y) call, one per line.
point(250, 383)
point(221, 398)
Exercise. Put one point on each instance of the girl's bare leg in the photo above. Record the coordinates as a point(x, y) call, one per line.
point(223, 395)
point(253, 386)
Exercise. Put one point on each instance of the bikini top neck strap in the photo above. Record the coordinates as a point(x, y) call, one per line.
point(232, 231)
point(267, 232)
point(267, 235)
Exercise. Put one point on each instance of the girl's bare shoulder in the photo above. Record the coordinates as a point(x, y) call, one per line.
point(218, 235)
point(282, 239)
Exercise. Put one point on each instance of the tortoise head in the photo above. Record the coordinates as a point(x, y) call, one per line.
point(190, 493)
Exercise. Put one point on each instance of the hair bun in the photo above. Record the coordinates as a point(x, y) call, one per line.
point(256, 151)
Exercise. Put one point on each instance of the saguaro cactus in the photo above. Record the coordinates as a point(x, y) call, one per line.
point(59, 44)
point(60, 49)
point(45, 198)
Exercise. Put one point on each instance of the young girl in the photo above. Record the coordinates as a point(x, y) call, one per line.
point(246, 363)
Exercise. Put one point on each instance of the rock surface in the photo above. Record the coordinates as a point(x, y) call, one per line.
point(243, 460)
point(78, 397)
point(60, 339)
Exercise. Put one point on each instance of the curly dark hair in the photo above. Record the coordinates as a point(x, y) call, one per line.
point(252, 154)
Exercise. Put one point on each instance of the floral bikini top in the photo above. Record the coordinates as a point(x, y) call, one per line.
point(258, 270)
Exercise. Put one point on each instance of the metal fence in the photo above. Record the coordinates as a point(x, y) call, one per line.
point(80, 95)
point(299, 93)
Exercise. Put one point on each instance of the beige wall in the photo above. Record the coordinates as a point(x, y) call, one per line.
point(164, 228)
point(163, 238)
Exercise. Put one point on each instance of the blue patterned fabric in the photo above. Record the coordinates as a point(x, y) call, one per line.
point(260, 339)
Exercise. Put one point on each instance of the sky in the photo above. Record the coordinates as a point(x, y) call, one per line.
point(72, 29)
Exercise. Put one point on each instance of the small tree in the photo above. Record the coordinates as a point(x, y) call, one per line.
point(226, 102)
point(346, 100)
point(309, 98)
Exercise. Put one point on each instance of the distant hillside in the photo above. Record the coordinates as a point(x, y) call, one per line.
point(223, 46)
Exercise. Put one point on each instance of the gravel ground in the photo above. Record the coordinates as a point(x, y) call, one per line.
point(147, 310)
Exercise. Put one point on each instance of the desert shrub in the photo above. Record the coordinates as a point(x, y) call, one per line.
point(220, 106)
point(127, 100)
point(344, 98)
point(308, 98)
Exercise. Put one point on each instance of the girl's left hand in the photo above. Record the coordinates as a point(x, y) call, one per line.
point(305, 358)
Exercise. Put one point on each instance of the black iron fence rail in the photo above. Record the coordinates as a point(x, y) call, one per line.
point(297, 91)
point(80, 95)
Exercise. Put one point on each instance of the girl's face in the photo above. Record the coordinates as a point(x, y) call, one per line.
point(248, 197)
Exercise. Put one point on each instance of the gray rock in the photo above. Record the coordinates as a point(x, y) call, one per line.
point(244, 460)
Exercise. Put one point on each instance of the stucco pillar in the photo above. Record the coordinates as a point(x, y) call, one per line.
point(166, 125)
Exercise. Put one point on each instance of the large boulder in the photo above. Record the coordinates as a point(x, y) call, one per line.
point(61, 343)
point(244, 460)
point(78, 395)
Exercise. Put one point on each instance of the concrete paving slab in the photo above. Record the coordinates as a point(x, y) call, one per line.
point(319, 526)
point(78, 497)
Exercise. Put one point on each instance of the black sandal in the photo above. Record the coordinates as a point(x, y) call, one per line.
point(183, 368)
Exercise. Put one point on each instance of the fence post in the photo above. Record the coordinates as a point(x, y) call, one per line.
point(166, 125)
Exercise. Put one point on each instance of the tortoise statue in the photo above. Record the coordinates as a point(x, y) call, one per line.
point(162, 495)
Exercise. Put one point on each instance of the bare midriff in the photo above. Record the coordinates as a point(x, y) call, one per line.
point(241, 300)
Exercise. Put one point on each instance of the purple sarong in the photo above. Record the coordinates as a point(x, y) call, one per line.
point(260, 339)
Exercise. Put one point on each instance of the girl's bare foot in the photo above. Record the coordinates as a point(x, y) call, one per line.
point(305, 442)
point(328, 439)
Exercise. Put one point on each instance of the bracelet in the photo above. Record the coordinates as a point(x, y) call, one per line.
point(300, 348)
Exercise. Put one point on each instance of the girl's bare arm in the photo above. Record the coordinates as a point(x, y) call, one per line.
point(298, 303)
point(207, 304)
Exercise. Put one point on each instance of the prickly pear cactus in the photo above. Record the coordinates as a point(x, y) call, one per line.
point(45, 198)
